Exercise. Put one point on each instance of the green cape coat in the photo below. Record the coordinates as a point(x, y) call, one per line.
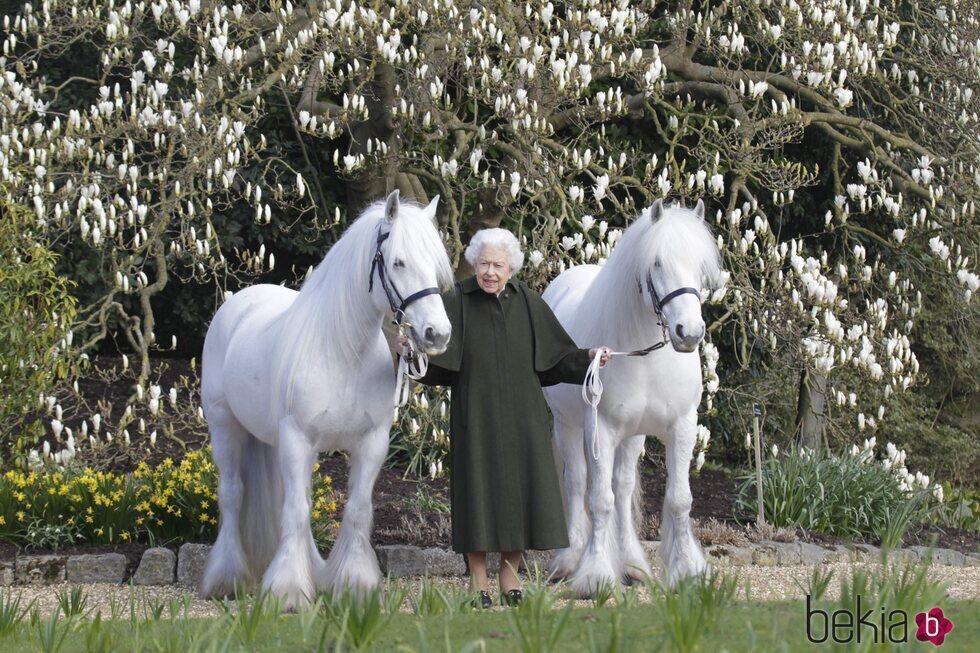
point(503, 478)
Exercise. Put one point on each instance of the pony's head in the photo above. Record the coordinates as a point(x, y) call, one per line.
point(681, 258)
point(409, 268)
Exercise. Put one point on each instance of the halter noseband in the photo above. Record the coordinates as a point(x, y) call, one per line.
point(396, 302)
point(660, 303)
point(658, 306)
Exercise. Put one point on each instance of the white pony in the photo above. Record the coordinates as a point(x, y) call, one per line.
point(286, 375)
point(647, 291)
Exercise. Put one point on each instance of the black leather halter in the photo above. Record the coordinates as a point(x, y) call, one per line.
point(397, 303)
point(660, 303)
point(658, 306)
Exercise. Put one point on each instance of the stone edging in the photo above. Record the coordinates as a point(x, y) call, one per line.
point(161, 566)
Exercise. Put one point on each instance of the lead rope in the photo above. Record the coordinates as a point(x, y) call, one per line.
point(412, 364)
point(592, 395)
point(592, 386)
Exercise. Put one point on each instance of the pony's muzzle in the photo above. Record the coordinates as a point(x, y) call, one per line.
point(686, 339)
point(435, 341)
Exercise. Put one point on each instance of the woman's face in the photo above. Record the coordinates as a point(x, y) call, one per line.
point(492, 269)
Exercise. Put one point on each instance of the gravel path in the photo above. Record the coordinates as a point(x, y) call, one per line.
point(766, 583)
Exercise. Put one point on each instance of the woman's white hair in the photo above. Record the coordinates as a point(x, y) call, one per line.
point(499, 238)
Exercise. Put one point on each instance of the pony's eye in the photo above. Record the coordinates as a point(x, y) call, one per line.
point(398, 263)
point(656, 263)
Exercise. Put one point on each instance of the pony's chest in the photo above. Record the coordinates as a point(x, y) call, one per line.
point(341, 405)
point(651, 400)
point(339, 423)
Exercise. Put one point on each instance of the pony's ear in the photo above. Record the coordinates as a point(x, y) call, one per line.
point(657, 210)
point(391, 206)
point(430, 210)
point(699, 209)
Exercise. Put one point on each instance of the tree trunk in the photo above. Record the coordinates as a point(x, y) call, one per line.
point(811, 421)
point(379, 177)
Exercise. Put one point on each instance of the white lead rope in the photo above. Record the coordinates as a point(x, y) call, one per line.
point(592, 386)
point(592, 394)
point(407, 371)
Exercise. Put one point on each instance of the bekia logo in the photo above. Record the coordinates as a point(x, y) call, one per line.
point(875, 624)
point(933, 626)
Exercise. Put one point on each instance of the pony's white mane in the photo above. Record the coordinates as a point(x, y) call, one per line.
point(679, 240)
point(333, 316)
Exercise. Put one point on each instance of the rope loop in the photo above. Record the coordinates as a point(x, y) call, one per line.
point(592, 395)
point(592, 386)
point(412, 364)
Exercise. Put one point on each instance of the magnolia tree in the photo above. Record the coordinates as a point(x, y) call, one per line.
point(835, 142)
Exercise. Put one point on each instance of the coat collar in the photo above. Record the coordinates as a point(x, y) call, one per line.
point(470, 284)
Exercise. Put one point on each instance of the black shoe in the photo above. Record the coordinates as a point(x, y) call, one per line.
point(483, 601)
point(512, 598)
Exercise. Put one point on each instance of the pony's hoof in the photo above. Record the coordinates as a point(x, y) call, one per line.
point(587, 586)
point(562, 565)
point(227, 588)
point(672, 579)
point(290, 601)
point(636, 573)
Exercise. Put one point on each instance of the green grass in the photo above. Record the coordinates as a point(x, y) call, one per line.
point(696, 616)
point(748, 627)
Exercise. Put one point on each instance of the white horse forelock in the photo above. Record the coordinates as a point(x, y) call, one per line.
point(333, 313)
point(680, 240)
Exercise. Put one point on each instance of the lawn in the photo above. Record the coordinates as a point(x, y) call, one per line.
point(697, 616)
point(749, 627)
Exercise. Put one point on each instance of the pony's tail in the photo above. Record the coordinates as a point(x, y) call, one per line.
point(261, 504)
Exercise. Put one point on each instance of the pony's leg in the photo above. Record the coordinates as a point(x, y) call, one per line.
point(679, 549)
point(599, 562)
point(625, 479)
point(319, 564)
point(352, 563)
point(574, 477)
point(290, 574)
point(227, 564)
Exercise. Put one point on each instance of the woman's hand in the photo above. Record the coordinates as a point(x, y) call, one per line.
point(605, 355)
point(401, 344)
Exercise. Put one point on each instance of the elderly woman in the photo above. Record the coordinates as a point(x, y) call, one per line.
point(506, 344)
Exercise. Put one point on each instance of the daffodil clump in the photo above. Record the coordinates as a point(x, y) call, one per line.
point(90, 506)
point(178, 501)
point(324, 513)
point(170, 501)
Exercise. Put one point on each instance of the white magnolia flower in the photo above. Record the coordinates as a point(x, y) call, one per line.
point(717, 183)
